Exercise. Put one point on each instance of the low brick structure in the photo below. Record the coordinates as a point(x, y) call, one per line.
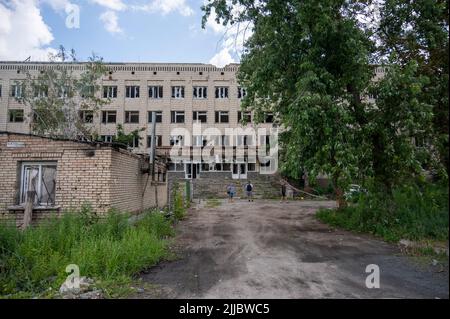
point(67, 174)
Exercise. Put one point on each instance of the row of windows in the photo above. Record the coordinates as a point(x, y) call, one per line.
point(222, 140)
point(133, 92)
point(132, 117)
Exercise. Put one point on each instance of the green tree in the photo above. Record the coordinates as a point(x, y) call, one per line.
point(56, 95)
point(416, 32)
point(308, 62)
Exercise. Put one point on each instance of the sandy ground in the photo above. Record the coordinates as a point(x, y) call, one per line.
point(265, 249)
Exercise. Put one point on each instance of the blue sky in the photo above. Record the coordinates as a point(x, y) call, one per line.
point(117, 30)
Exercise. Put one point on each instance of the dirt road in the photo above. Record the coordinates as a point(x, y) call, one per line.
point(266, 249)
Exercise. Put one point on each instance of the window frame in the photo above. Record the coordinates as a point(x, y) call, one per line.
point(128, 115)
point(132, 91)
point(218, 117)
point(110, 91)
point(173, 117)
point(157, 90)
point(11, 114)
point(200, 92)
point(196, 114)
point(178, 92)
point(105, 116)
point(222, 92)
point(159, 115)
point(40, 164)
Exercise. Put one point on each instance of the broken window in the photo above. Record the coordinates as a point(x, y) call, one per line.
point(107, 138)
point(109, 117)
point(158, 116)
point(132, 91)
point(134, 143)
point(221, 92)
point(176, 140)
point(241, 92)
point(244, 117)
point(16, 116)
point(200, 116)
point(155, 92)
point(178, 92)
point(17, 90)
point(269, 118)
point(64, 91)
point(132, 117)
point(110, 92)
point(41, 179)
point(177, 116)
point(158, 140)
point(87, 116)
point(41, 91)
point(200, 92)
point(222, 117)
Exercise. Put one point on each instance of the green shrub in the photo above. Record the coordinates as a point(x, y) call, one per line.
point(415, 211)
point(179, 207)
point(105, 249)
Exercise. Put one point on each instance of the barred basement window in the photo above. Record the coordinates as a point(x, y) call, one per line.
point(200, 116)
point(177, 116)
point(132, 117)
point(200, 92)
point(132, 92)
point(221, 92)
point(16, 116)
point(155, 92)
point(109, 117)
point(158, 116)
point(41, 179)
point(178, 92)
point(110, 92)
point(222, 117)
point(86, 116)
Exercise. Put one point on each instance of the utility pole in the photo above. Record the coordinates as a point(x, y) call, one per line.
point(153, 145)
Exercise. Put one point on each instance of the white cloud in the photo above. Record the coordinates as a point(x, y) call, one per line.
point(117, 5)
point(166, 6)
point(232, 39)
point(222, 58)
point(110, 22)
point(57, 5)
point(23, 32)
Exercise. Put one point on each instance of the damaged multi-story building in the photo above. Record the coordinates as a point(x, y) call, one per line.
point(199, 133)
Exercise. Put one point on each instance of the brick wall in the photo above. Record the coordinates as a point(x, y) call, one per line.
point(100, 175)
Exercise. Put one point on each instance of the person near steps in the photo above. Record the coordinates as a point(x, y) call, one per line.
point(249, 191)
point(283, 191)
point(231, 191)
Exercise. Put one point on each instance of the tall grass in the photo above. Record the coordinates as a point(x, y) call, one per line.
point(104, 249)
point(416, 211)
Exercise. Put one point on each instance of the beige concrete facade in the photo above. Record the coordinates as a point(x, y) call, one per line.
point(142, 75)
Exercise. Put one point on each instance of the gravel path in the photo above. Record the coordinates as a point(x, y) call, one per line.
point(267, 249)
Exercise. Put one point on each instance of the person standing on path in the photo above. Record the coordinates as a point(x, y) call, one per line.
point(249, 191)
point(283, 190)
point(231, 191)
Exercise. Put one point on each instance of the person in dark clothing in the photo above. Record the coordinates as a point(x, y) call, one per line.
point(283, 191)
point(249, 191)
